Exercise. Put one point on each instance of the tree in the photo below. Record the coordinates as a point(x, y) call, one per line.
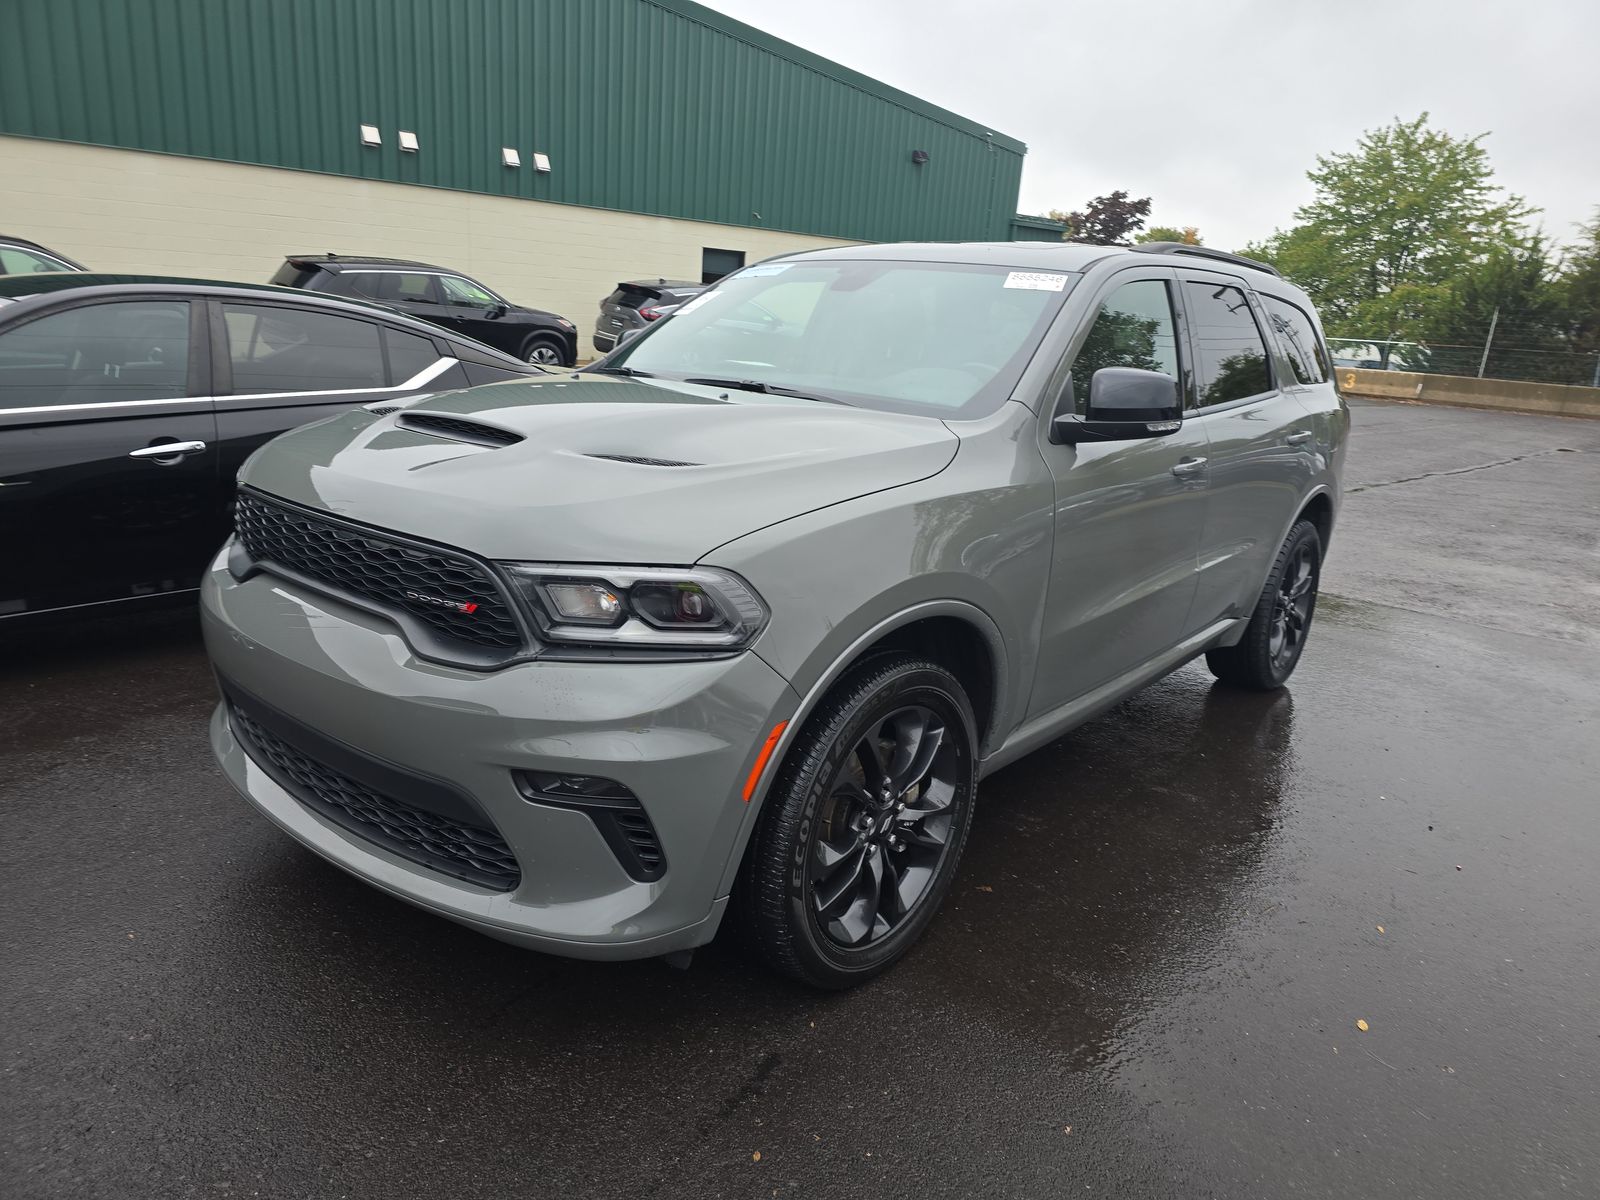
point(1105, 220)
point(1511, 292)
point(1393, 223)
point(1577, 290)
point(1189, 235)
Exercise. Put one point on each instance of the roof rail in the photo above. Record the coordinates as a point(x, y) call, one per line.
point(1237, 260)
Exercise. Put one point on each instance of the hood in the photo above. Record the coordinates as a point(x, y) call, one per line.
point(567, 484)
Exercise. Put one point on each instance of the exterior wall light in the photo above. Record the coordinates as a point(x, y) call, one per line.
point(408, 141)
point(510, 157)
point(919, 157)
point(370, 136)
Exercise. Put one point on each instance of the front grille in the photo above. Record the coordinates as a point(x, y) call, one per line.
point(462, 431)
point(476, 854)
point(449, 594)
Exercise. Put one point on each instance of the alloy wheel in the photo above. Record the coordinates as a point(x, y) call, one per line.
point(1291, 608)
point(883, 828)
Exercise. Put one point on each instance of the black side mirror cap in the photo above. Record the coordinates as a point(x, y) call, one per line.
point(1125, 403)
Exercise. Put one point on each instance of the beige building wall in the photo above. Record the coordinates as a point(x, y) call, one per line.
point(133, 212)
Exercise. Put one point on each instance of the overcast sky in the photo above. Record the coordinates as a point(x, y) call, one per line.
point(1217, 109)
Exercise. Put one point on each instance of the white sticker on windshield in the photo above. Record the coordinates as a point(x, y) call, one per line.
point(689, 306)
point(763, 269)
point(1036, 281)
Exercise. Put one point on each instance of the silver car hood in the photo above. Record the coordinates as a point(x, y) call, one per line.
point(553, 497)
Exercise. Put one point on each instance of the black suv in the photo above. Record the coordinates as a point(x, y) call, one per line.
point(447, 298)
point(635, 304)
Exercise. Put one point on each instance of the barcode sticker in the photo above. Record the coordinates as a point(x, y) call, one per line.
point(1036, 281)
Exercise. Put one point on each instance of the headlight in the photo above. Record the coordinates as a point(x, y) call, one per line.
point(640, 607)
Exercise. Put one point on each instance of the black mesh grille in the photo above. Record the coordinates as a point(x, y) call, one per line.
point(615, 811)
point(452, 595)
point(463, 431)
point(476, 854)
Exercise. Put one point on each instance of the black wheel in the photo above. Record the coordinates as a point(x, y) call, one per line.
point(544, 351)
point(1266, 656)
point(859, 839)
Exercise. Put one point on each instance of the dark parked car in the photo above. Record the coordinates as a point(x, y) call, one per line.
point(127, 405)
point(637, 303)
point(19, 256)
point(447, 298)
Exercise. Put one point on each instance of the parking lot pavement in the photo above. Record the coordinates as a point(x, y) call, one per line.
point(1146, 983)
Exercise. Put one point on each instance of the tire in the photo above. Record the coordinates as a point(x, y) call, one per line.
point(544, 351)
point(1275, 638)
point(846, 870)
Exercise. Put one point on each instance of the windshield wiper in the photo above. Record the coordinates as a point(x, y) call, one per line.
point(765, 389)
point(630, 372)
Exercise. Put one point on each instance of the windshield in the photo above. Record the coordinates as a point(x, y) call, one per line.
point(937, 339)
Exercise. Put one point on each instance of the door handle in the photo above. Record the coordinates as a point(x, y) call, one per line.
point(1298, 438)
point(167, 450)
point(1188, 466)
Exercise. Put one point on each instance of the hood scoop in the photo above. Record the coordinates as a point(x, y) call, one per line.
point(639, 461)
point(458, 430)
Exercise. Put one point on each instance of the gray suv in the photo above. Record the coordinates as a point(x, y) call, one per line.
point(740, 617)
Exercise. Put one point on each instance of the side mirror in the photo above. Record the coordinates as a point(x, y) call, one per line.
point(495, 311)
point(628, 334)
point(1124, 404)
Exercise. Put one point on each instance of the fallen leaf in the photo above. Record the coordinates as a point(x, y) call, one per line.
point(1458, 866)
point(756, 1157)
point(1068, 1129)
point(984, 887)
point(1361, 1025)
point(1380, 928)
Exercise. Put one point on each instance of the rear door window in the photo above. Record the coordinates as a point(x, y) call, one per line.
point(1308, 358)
point(276, 349)
point(1231, 355)
point(97, 354)
point(414, 287)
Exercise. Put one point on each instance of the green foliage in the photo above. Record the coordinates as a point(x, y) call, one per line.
point(1189, 235)
point(1392, 225)
point(1577, 288)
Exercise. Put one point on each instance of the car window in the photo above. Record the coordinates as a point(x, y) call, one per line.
point(1134, 328)
point(1298, 337)
point(14, 260)
point(1232, 357)
point(418, 287)
point(97, 354)
point(409, 353)
point(276, 349)
point(937, 339)
point(463, 291)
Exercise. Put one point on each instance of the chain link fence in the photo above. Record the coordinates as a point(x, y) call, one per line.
point(1510, 348)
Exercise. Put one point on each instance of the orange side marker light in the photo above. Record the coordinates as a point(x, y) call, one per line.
point(761, 759)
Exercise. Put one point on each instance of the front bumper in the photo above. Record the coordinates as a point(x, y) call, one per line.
point(682, 736)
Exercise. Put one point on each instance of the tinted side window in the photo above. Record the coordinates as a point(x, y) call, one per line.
point(1232, 357)
point(414, 286)
point(408, 354)
point(98, 354)
point(464, 291)
point(14, 260)
point(1133, 329)
point(283, 350)
point(1298, 337)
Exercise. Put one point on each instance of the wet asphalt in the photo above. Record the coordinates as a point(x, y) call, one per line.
point(1147, 981)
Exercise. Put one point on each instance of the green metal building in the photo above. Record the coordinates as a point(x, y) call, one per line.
point(549, 146)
